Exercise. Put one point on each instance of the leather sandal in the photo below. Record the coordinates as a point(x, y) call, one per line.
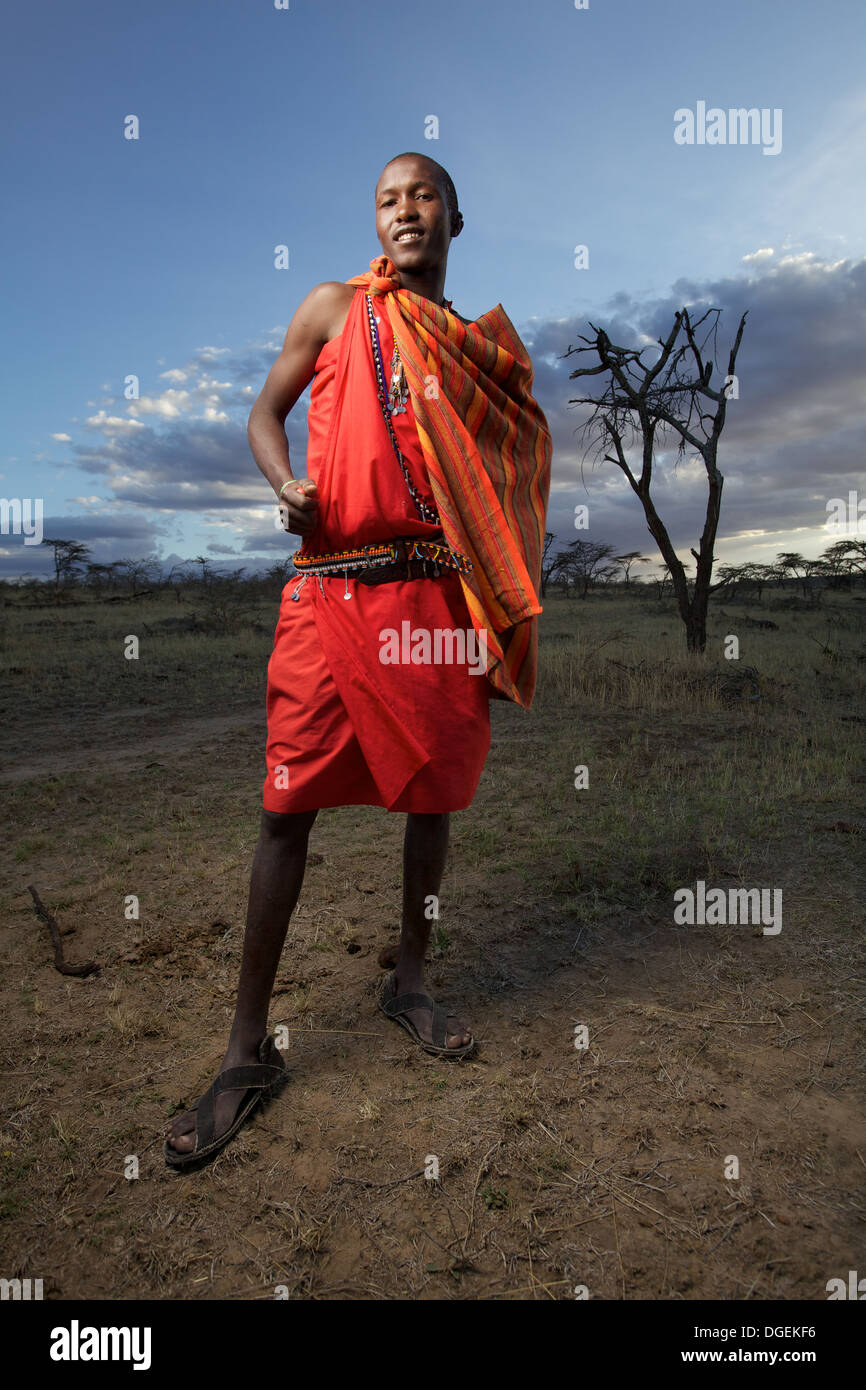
point(258, 1079)
point(397, 1006)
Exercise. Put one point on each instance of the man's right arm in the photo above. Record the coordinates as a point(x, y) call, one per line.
point(309, 330)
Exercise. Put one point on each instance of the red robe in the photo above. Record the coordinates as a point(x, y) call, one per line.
point(345, 729)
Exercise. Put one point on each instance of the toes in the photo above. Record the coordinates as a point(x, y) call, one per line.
point(181, 1143)
point(456, 1032)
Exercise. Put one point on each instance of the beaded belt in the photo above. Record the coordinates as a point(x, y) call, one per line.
point(397, 553)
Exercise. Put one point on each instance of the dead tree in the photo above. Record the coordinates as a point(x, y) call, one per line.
point(644, 405)
point(548, 565)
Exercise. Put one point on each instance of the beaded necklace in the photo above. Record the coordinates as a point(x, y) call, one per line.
point(394, 403)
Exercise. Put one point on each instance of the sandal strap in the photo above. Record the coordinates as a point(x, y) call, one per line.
point(205, 1123)
point(402, 1003)
point(256, 1076)
point(438, 1026)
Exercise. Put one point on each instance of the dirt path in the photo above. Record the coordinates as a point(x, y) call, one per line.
point(130, 738)
point(603, 1168)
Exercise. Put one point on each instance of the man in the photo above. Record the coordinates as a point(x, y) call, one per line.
point(421, 520)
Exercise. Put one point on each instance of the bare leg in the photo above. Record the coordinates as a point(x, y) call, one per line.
point(275, 886)
point(424, 850)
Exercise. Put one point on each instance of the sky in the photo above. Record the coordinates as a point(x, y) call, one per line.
point(261, 126)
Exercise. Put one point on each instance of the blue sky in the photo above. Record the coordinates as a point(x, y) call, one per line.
point(261, 127)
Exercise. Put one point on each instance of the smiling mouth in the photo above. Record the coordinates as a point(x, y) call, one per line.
point(413, 235)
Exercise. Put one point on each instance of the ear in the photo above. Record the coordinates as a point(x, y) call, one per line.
point(457, 224)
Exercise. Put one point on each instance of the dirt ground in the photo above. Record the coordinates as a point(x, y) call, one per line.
point(606, 1169)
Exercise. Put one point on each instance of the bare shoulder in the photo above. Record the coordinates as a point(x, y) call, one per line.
point(328, 304)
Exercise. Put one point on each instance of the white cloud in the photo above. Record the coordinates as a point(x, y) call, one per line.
point(199, 401)
point(209, 354)
point(112, 423)
point(170, 405)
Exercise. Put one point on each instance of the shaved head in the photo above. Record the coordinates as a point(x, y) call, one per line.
point(443, 178)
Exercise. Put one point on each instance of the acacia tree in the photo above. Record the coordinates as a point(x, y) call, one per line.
point(747, 576)
point(664, 579)
point(102, 576)
point(177, 577)
point(846, 557)
point(647, 404)
point(630, 558)
point(583, 562)
point(791, 562)
point(69, 558)
point(140, 573)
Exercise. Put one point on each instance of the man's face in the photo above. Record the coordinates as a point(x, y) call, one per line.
point(412, 220)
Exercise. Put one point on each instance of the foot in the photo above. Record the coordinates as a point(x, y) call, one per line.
point(180, 1134)
point(457, 1033)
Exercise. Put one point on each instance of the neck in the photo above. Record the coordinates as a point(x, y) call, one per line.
point(430, 284)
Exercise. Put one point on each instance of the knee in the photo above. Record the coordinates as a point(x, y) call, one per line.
point(289, 826)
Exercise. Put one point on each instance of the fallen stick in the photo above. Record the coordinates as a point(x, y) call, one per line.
point(50, 922)
point(366, 1182)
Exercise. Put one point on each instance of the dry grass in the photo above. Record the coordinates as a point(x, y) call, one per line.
point(557, 1167)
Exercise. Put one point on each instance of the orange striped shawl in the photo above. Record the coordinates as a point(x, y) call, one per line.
point(488, 452)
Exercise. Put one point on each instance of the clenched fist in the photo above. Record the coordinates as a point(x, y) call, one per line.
point(299, 507)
